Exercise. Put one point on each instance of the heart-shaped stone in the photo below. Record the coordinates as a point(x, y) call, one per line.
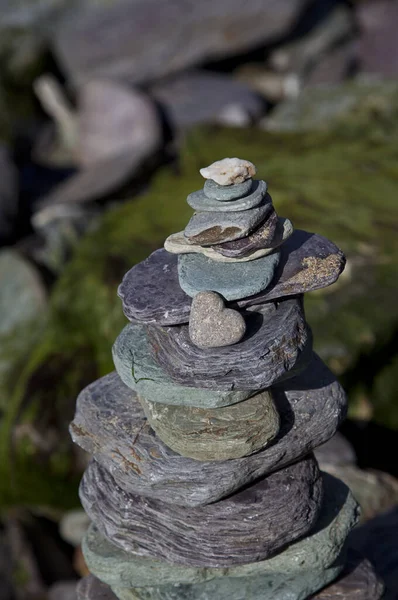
point(211, 325)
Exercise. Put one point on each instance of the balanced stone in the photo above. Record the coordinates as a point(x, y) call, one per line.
point(320, 550)
point(177, 243)
point(137, 367)
point(225, 193)
point(151, 292)
point(200, 202)
point(271, 234)
point(229, 171)
point(248, 526)
point(110, 424)
point(215, 434)
point(197, 273)
point(208, 228)
point(212, 325)
point(277, 343)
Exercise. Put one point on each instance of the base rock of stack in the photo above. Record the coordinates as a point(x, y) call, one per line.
point(277, 341)
point(218, 433)
point(248, 526)
point(111, 425)
point(320, 552)
point(151, 292)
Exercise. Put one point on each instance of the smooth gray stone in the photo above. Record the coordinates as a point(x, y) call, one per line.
point(248, 526)
point(209, 228)
point(215, 433)
point(91, 588)
point(110, 424)
point(151, 292)
point(234, 281)
point(277, 341)
point(337, 451)
point(225, 193)
point(132, 351)
point(212, 325)
point(319, 550)
point(271, 233)
point(200, 202)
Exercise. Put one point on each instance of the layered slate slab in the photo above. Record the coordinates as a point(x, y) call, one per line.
point(248, 526)
point(321, 550)
point(151, 293)
point(201, 202)
point(276, 338)
point(218, 433)
point(111, 425)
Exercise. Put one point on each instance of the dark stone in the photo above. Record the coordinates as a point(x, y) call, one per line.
point(91, 588)
point(358, 582)
point(337, 451)
point(311, 558)
point(110, 424)
point(8, 196)
point(277, 340)
point(248, 526)
point(151, 292)
point(268, 234)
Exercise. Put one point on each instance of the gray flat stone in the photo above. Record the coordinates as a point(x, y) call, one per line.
point(208, 228)
point(177, 243)
point(212, 325)
point(151, 292)
point(225, 193)
point(277, 344)
point(111, 425)
point(132, 350)
point(319, 550)
point(248, 526)
point(197, 273)
point(200, 202)
point(271, 234)
point(215, 434)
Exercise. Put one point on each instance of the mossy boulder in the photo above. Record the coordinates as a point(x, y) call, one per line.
point(340, 182)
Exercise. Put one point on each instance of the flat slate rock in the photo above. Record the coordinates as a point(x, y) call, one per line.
point(277, 341)
point(270, 234)
point(197, 273)
point(226, 193)
point(91, 588)
point(321, 549)
point(201, 202)
point(135, 363)
point(151, 292)
point(248, 526)
point(218, 433)
point(110, 424)
point(208, 228)
point(358, 582)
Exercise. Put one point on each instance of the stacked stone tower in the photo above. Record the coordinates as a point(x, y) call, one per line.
point(203, 484)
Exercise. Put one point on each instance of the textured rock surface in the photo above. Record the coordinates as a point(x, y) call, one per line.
point(358, 582)
point(197, 273)
point(134, 362)
point(209, 228)
point(91, 588)
point(229, 171)
point(271, 233)
point(177, 243)
point(248, 526)
point(317, 551)
point(200, 202)
point(215, 434)
point(226, 193)
point(277, 343)
point(311, 407)
point(212, 325)
point(150, 291)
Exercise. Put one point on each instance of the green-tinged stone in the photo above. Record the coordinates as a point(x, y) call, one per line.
point(225, 193)
point(139, 371)
point(318, 551)
point(200, 202)
point(197, 273)
point(215, 434)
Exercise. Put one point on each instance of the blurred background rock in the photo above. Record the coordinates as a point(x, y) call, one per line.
point(108, 108)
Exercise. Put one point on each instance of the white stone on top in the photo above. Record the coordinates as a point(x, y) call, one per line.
point(229, 171)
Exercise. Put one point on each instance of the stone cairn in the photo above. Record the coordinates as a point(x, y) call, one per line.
point(203, 484)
